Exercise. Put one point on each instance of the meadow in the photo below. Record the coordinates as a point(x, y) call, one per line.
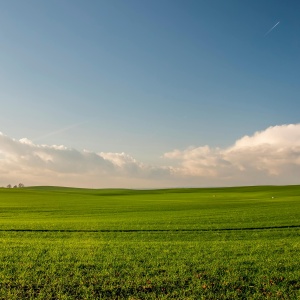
point(214, 243)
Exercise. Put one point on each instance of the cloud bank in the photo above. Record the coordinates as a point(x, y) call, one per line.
point(271, 156)
point(23, 161)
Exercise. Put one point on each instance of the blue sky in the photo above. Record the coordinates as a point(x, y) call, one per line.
point(147, 77)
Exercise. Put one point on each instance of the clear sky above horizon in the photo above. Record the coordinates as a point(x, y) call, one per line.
point(147, 78)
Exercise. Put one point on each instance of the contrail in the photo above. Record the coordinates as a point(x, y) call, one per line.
point(272, 28)
point(59, 130)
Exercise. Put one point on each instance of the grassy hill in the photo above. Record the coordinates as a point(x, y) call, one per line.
point(214, 243)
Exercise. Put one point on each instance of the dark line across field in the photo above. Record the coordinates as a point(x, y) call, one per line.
point(151, 230)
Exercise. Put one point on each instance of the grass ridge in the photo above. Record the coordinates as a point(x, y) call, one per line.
point(152, 230)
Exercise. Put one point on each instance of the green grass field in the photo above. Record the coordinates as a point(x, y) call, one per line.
point(219, 243)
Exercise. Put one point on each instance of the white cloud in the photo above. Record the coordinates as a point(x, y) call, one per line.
point(271, 156)
point(284, 135)
point(58, 165)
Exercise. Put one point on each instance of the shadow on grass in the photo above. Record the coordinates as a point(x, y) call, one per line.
point(151, 230)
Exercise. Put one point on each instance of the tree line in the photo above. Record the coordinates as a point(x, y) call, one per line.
point(20, 185)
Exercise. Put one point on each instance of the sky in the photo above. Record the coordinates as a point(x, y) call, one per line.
point(148, 94)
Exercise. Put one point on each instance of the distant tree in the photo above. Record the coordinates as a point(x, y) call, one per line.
point(20, 185)
point(9, 186)
point(15, 186)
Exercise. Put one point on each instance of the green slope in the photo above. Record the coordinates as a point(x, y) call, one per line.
point(57, 208)
point(221, 243)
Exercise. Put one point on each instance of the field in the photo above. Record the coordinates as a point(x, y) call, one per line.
point(225, 243)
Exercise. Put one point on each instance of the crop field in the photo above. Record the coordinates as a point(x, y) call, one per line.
point(216, 243)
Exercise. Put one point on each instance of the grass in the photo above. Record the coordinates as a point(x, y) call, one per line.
point(225, 243)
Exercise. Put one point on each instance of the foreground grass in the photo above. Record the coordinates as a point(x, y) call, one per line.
point(240, 243)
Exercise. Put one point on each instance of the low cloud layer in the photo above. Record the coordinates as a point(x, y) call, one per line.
point(22, 160)
point(271, 156)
